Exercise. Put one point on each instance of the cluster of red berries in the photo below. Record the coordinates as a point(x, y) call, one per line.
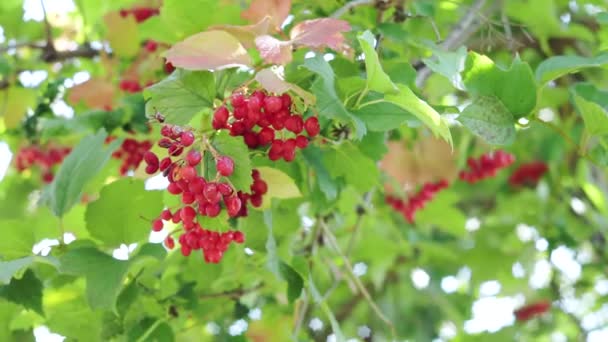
point(199, 196)
point(417, 201)
point(45, 158)
point(131, 152)
point(528, 173)
point(532, 310)
point(486, 166)
point(140, 14)
point(263, 120)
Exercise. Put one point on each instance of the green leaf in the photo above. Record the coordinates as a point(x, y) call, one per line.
point(14, 103)
point(377, 79)
point(272, 259)
point(280, 185)
point(441, 212)
point(407, 100)
point(294, 280)
point(235, 148)
point(448, 64)
point(591, 93)
point(382, 116)
point(9, 268)
point(328, 102)
point(514, 87)
point(78, 168)
point(181, 95)
point(104, 274)
point(374, 145)
point(489, 119)
point(595, 117)
point(26, 291)
point(557, 66)
point(348, 162)
point(131, 208)
point(313, 156)
point(21, 234)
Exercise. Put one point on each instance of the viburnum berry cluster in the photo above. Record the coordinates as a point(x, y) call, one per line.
point(417, 201)
point(44, 157)
point(130, 86)
point(199, 196)
point(486, 166)
point(528, 173)
point(532, 310)
point(267, 120)
point(140, 14)
point(131, 152)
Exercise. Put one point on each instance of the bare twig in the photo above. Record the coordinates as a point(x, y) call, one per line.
point(465, 28)
point(234, 294)
point(334, 243)
point(350, 5)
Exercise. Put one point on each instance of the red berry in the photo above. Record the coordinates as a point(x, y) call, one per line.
point(165, 163)
point(188, 173)
point(272, 104)
point(312, 126)
point(265, 136)
point(251, 139)
point(225, 166)
point(259, 187)
point(194, 157)
point(254, 104)
point(220, 117)
point(237, 128)
point(294, 124)
point(187, 197)
point(256, 200)
point(211, 193)
point(187, 138)
point(225, 189)
point(157, 225)
point(187, 214)
point(174, 189)
point(150, 158)
point(151, 168)
point(286, 101)
point(301, 141)
point(233, 205)
point(169, 242)
point(151, 46)
point(212, 210)
point(238, 236)
point(165, 143)
point(166, 215)
point(237, 100)
point(197, 185)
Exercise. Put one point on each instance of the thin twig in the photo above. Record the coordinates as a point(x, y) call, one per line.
point(350, 5)
point(234, 294)
point(47, 28)
point(332, 240)
point(466, 26)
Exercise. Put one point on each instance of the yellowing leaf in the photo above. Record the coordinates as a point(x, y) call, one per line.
point(274, 83)
point(280, 185)
point(277, 10)
point(95, 93)
point(122, 34)
point(208, 50)
point(14, 102)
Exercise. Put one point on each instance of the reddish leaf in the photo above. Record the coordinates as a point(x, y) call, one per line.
point(277, 10)
point(318, 33)
point(272, 50)
point(95, 93)
point(246, 34)
point(208, 50)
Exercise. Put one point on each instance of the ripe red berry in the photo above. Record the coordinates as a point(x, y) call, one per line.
point(194, 157)
point(150, 158)
point(188, 173)
point(225, 166)
point(259, 187)
point(174, 189)
point(211, 193)
point(151, 46)
point(220, 118)
point(265, 136)
point(301, 141)
point(286, 101)
point(165, 163)
point(187, 214)
point(237, 100)
point(157, 225)
point(151, 168)
point(187, 138)
point(212, 210)
point(294, 124)
point(233, 205)
point(272, 104)
point(312, 126)
point(169, 242)
point(238, 236)
point(166, 215)
point(224, 189)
